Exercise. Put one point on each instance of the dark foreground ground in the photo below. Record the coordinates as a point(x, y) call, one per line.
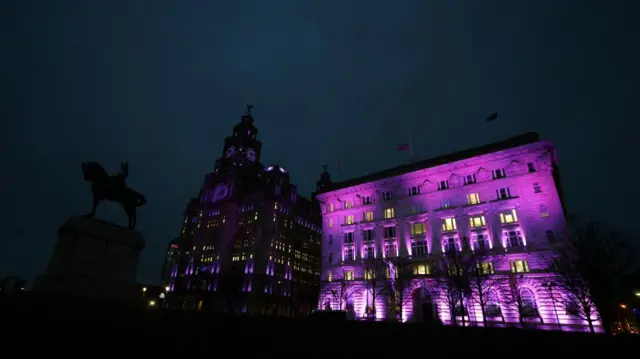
point(58, 327)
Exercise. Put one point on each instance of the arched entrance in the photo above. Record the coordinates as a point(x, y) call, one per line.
point(424, 309)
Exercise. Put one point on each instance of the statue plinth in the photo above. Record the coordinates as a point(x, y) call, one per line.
point(95, 259)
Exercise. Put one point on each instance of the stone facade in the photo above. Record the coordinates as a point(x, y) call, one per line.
point(504, 197)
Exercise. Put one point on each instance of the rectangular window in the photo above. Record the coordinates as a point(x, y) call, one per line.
point(330, 239)
point(421, 269)
point(330, 222)
point(543, 211)
point(481, 242)
point(330, 257)
point(348, 220)
point(531, 167)
point(330, 207)
point(503, 193)
point(348, 238)
point(477, 221)
point(449, 244)
point(367, 216)
point(442, 185)
point(366, 200)
point(349, 254)
point(499, 173)
point(473, 198)
point(509, 217)
point(389, 213)
point(368, 274)
point(390, 250)
point(414, 191)
point(486, 268)
point(419, 248)
point(417, 229)
point(369, 252)
point(519, 266)
point(386, 196)
point(445, 203)
point(416, 208)
point(389, 232)
point(449, 224)
point(367, 235)
point(514, 239)
point(348, 275)
point(469, 179)
point(536, 187)
point(348, 204)
point(388, 273)
point(329, 276)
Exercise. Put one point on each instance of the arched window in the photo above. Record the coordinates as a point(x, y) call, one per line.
point(528, 302)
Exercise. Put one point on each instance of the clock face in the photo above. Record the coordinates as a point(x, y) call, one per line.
point(231, 151)
point(251, 154)
point(220, 192)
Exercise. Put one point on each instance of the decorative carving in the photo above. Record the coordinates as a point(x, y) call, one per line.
point(483, 175)
point(515, 168)
point(455, 180)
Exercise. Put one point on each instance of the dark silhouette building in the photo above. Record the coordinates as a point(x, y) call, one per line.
point(249, 242)
point(170, 261)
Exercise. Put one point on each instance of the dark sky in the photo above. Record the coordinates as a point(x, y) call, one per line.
point(160, 83)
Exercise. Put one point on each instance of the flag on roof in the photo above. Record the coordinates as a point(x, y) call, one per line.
point(403, 147)
point(492, 117)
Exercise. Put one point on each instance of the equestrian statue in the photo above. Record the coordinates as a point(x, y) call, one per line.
point(112, 188)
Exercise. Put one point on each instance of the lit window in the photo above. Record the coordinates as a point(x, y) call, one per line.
point(477, 221)
point(368, 216)
point(330, 207)
point(421, 269)
point(330, 222)
point(417, 229)
point(348, 204)
point(509, 217)
point(473, 198)
point(275, 205)
point(449, 224)
point(348, 219)
point(543, 211)
point(486, 268)
point(368, 274)
point(519, 266)
point(348, 275)
point(389, 213)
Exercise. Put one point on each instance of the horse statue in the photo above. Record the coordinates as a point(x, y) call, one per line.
point(112, 188)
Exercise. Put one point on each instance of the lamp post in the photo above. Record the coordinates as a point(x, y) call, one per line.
point(549, 286)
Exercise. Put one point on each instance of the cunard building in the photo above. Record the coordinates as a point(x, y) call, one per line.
point(249, 242)
point(388, 235)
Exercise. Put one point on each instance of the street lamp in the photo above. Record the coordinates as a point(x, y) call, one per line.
point(637, 294)
point(549, 286)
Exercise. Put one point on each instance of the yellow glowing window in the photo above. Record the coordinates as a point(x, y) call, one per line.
point(330, 207)
point(388, 274)
point(519, 266)
point(368, 216)
point(368, 274)
point(449, 224)
point(348, 275)
point(348, 204)
point(421, 269)
point(417, 229)
point(348, 220)
point(275, 205)
point(509, 217)
point(389, 213)
point(486, 267)
point(330, 222)
point(473, 198)
point(477, 221)
point(329, 276)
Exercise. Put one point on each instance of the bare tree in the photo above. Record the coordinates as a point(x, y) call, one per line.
point(525, 308)
point(481, 279)
point(592, 266)
point(375, 280)
point(344, 291)
point(400, 288)
point(453, 280)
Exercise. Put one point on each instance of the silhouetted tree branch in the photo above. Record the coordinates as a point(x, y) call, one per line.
point(375, 280)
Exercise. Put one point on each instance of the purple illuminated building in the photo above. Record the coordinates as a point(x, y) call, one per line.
point(503, 199)
point(249, 243)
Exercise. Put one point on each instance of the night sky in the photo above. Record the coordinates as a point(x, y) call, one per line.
point(160, 83)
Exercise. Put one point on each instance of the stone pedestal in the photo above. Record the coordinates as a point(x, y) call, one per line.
point(95, 259)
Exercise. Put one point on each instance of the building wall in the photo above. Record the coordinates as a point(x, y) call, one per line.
point(532, 194)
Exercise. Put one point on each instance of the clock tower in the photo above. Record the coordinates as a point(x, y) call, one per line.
point(243, 140)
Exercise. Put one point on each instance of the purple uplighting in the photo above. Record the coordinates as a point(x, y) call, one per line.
point(503, 200)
